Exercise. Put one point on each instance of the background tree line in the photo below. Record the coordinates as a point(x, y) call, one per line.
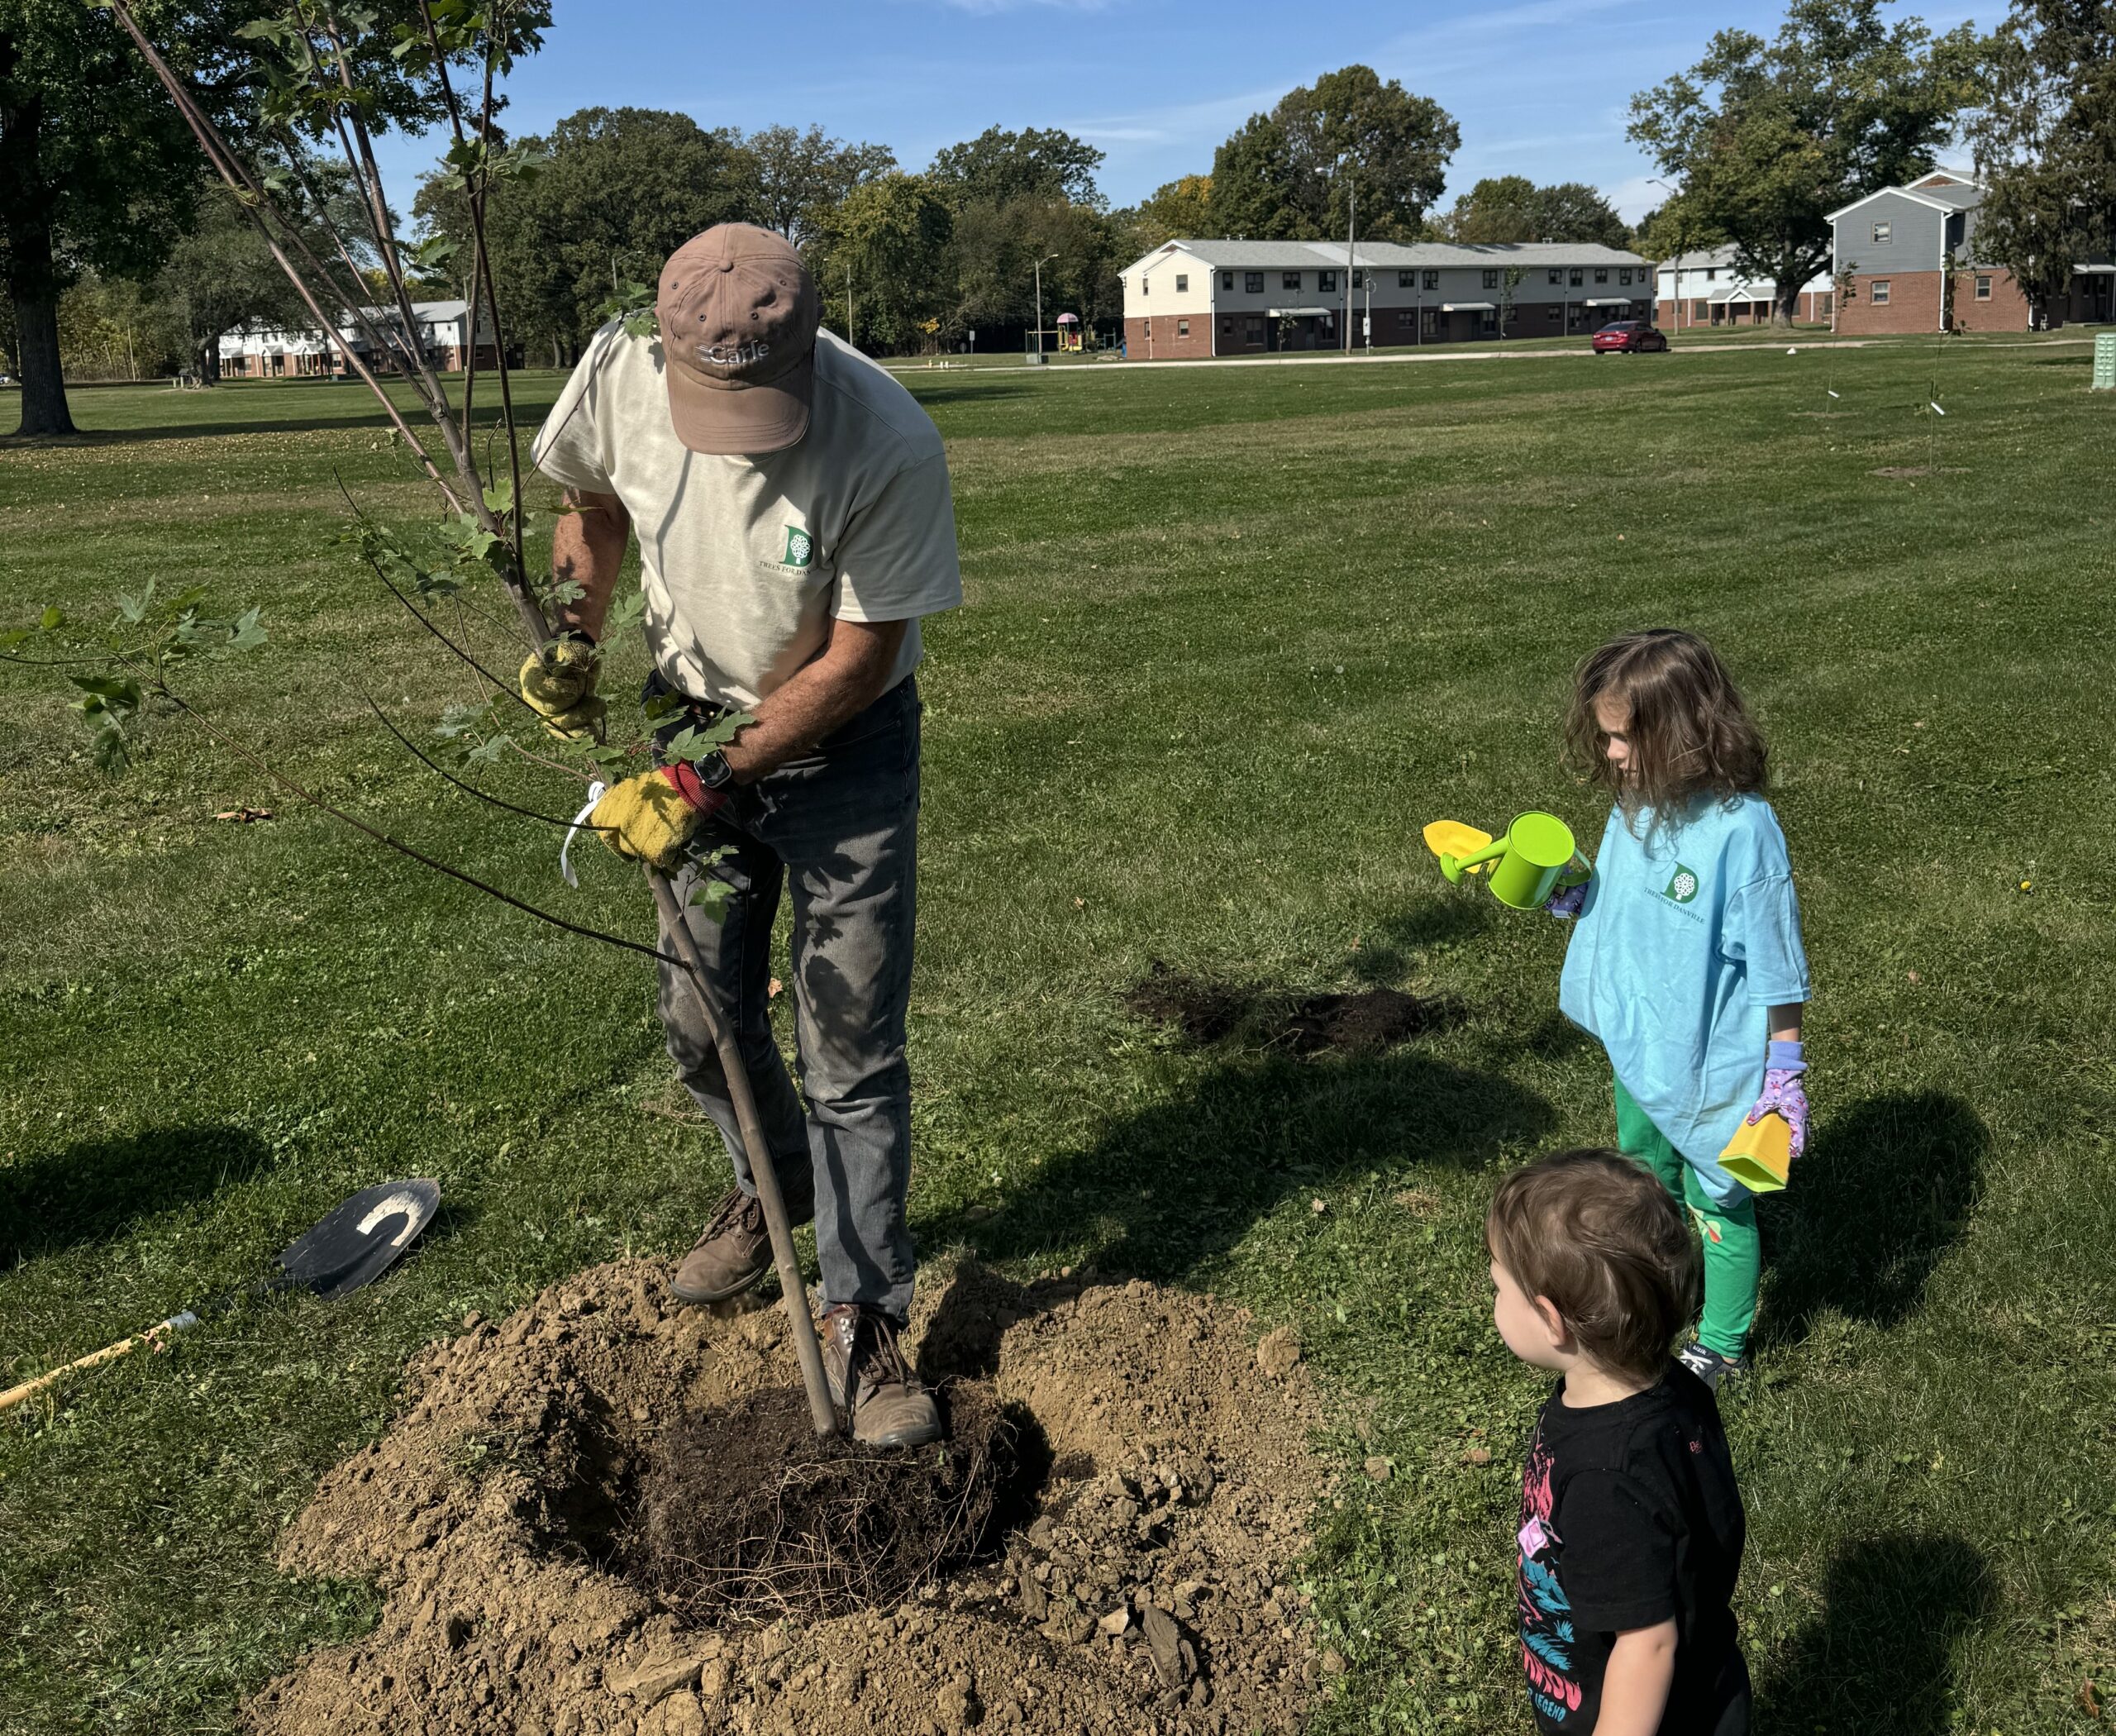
point(110, 241)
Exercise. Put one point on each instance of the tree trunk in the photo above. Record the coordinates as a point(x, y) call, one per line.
point(33, 280)
point(1783, 307)
point(44, 382)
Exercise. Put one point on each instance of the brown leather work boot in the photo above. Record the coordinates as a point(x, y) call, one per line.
point(869, 1377)
point(732, 1253)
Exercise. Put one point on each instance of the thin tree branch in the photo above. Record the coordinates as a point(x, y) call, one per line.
point(382, 838)
point(442, 771)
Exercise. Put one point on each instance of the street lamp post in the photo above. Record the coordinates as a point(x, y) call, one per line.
point(1040, 265)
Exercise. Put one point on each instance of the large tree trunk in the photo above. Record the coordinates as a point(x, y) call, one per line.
point(44, 382)
point(32, 281)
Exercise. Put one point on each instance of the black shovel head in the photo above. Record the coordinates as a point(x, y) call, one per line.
point(361, 1240)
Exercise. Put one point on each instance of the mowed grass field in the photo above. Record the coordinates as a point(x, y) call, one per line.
point(1232, 637)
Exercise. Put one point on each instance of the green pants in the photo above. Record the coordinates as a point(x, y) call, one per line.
point(1733, 1252)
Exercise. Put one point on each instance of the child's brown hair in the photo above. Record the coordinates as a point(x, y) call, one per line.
point(1688, 731)
point(1597, 1235)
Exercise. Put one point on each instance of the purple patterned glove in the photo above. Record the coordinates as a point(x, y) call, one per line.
point(1565, 904)
point(1782, 1093)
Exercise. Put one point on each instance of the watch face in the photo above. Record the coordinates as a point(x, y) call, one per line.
point(713, 771)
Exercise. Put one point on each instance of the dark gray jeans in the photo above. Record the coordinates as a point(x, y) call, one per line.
point(839, 825)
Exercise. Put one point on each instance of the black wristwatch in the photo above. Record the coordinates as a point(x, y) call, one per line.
point(713, 771)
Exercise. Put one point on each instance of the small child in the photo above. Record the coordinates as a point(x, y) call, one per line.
point(1631, 1524)
point(1687, 961)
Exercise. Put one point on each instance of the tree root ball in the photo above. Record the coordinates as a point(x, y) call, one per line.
point(745, 1511)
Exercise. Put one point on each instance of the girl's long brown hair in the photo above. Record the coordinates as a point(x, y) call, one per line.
point(1690, 735)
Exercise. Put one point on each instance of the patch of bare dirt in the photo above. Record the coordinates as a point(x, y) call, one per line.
point(1203, 1011)
point(1136, 1581)
point(1364, 1024)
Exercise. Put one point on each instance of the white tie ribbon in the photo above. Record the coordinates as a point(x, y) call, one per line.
point(566, 867)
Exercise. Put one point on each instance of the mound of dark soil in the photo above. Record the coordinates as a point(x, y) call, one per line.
point(745, 1512)
point(1202, 1010)
point(1360, 1025)
point(1133, 1579)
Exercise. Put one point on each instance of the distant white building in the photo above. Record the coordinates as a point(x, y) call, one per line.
point(257, 352)
point(1225, 297)
point(1708, 289)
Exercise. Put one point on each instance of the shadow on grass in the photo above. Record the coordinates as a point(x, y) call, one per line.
point(1173, 1187)
point(966, 391)
point(1884, 1190)
point(1876, 1662)
point(93, 1190)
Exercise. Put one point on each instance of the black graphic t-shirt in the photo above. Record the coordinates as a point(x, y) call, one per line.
point(1629, 1516)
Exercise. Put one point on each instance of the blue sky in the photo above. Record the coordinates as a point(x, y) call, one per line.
point(1539, 88)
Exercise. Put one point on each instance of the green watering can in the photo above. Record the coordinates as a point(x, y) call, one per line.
point(1536, 858)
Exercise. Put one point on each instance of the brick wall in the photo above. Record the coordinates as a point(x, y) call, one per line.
point(2007, 310)
point(1169, 343)
point(1912, 304)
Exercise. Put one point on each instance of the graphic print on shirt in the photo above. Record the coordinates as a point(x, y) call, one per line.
point(1545, 1616)
point(1682, 885)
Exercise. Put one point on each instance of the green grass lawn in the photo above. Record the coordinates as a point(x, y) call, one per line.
point(1232, 636)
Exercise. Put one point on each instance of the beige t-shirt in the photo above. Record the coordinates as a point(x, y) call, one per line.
point(745, 560)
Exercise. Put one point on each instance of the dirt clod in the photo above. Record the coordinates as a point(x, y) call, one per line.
point(1166, 1479)
point(1278, 1351)
point(1364, 1024)
point(1203, 1010)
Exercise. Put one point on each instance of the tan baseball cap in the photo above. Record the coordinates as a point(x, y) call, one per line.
point(738, 313)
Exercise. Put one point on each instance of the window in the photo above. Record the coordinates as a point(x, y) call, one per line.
point(1182, 284)
point(1325, 281)
point(1252, 282)
point(1406, 318)
point(1703, 311)
point(1227, 327)
point(1601, 273)
point(1226, 280)
point(1879, 292)
point(1556, 311)
point(1182, 328)
point(1982, 288)
point(1711, 273)
point(1146, 285)
point(1557, 277)
point(1490, 324)
point(1881, 234)
point(1255, 332)
point(1359, 277)
point(1290, 280)
point(1578, 277)
point(1623, 277)
point(1407, 280)
point(1491, 280)
point(1432, 280)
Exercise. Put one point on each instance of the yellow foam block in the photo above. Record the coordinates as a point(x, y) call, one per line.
point(1451, 838)
point(1761, 1157)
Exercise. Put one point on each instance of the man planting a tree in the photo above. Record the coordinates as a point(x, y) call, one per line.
point(794, 521)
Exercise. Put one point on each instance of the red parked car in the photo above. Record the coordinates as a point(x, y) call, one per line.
point(1630, 336)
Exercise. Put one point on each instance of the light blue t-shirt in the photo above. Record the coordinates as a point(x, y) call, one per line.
point(1690, 935)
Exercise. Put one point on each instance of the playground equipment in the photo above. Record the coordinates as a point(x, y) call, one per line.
point(1535, 857)
point(1760, 1156)
point(1069, 331)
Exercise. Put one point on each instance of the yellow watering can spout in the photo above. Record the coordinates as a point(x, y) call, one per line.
point(1533, 859)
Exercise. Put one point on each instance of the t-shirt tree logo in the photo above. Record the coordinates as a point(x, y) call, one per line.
point(800, 546)
point(1682, 886)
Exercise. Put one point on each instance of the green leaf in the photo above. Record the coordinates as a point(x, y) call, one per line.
point(119, 691)
point(52, 619)
point(711, 897)
point(488, 750)
point(244, 633)
point(629, 609)
point(135, 609)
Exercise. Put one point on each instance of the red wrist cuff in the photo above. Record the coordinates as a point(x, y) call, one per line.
point(683, 780)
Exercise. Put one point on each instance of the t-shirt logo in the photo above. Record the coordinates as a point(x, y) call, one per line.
point(1682, 887)
point(800, 546)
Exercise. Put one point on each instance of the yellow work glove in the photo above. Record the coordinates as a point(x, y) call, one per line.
point(559, 683)
point(652, 817)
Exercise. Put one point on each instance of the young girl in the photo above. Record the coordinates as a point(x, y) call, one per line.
point(1687, 960)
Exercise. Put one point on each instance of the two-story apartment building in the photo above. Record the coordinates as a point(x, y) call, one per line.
point(1198, 298)
point(256, 352)
point(1906, 259)
point(1706, 287)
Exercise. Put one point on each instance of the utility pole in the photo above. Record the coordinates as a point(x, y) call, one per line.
point(1040, 265)
point(1351, 230)
point(848, 307)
